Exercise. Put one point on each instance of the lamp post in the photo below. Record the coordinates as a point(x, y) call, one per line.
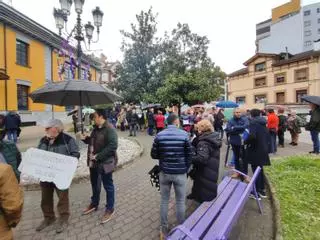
point(80, 32)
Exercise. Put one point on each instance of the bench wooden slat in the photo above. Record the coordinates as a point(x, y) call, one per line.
point(201, 211)
point(221, 220)
point(215, 209)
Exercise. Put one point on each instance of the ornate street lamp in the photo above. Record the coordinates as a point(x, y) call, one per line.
point(80, 32)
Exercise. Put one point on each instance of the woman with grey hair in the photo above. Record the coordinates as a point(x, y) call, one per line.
point(55, 140)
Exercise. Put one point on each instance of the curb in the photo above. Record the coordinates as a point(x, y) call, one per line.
point(275, 204)
point(81, 179)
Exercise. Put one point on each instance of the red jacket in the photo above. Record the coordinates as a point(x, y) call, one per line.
point(273, 121)
point(160, 121)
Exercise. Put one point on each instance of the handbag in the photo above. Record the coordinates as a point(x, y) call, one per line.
point(154, 177)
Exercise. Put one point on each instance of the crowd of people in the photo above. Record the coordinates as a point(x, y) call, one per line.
point(185, 146)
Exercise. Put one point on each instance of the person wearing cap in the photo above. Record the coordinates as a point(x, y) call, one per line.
point(55, 140)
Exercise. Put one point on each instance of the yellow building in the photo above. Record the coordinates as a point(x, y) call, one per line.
point(29, 57)
point(275, 79)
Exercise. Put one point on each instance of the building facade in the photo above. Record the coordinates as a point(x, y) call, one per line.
point(30, 56)
point(292, 28)
point(275, 79)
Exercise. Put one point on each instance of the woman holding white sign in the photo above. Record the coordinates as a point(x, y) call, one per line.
point(58, 142)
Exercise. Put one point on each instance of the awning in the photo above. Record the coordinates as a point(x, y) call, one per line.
point(3, 75)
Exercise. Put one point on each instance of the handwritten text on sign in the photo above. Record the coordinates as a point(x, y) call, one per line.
point(49, 167)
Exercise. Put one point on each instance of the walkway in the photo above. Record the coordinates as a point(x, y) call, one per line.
point(137, 207)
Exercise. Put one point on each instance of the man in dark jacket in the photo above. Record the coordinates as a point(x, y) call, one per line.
point(2, 126)
point(58, 142)
point(132, 119)
point(314, 127)
point(12, 125)
point(173, 150)
point(257, 151)
point(235, 128)
point(102, 160)
point(283, 124)
point(151, 121)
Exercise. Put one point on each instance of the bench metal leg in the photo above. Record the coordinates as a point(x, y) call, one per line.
point(257, 198)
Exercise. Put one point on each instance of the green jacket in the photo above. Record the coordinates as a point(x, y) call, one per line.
point(104, 141)
point(12, 156)
point(314, 124)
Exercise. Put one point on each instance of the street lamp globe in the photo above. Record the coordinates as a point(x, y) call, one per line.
point(89, 30)
point(66, 6)
point(97, 17)
point(59, 18)
point(78, 4)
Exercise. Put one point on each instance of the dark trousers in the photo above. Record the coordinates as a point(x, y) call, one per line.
point(241, 163)
point(97, 175)
point(159, 130)
point(47, 207)
point(122, 127)
point(273, 141)
point(281, 137)
point(12, 135)
point(315, 140)
point(260, 179)
point(150, 130)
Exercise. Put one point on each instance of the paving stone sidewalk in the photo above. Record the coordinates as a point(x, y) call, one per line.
point(137, 207)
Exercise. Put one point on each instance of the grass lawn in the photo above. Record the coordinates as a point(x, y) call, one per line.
point(297, 184)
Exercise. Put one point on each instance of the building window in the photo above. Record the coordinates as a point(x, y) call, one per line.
point(22, 52)
point(307, 43)
point(280, 97)
point(241, 100)
point(299, 94)
point(23, 95)
point(307, 13)
point(307, 23)
point(301, 74)
point(260, 82)
point(318, 30)
point(280, 78)
point(260, 67)
point(260, 98)
point(318, 10)
point(318, 20)
point(307, 33)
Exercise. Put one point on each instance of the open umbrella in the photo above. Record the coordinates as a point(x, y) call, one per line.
point(156, 105)
point(74, 93)
point(311, 99)
point(227, 104)
point(198, 106)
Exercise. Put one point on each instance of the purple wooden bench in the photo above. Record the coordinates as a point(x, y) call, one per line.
point(214, 220)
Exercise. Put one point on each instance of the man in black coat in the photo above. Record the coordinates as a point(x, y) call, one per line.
point(257, 147)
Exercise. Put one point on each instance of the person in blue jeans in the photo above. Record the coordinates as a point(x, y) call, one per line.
point(102, 160)
point(173, 150)
point(314, 127)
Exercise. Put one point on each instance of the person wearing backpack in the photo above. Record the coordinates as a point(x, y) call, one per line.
point(282, 128)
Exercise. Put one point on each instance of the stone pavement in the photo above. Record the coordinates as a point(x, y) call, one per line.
point(137, 207)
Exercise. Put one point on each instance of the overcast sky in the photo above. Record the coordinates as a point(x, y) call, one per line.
point(229, 24)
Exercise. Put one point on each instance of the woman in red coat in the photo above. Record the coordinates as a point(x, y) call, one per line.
point(159, 118)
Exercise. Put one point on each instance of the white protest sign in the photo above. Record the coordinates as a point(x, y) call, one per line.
point(49, 167)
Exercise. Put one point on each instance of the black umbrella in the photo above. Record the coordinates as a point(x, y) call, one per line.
point(157, 105)
point(312, 99)
point(74, 92)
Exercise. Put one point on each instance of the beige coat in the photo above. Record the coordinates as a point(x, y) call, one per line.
point(11, 201)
